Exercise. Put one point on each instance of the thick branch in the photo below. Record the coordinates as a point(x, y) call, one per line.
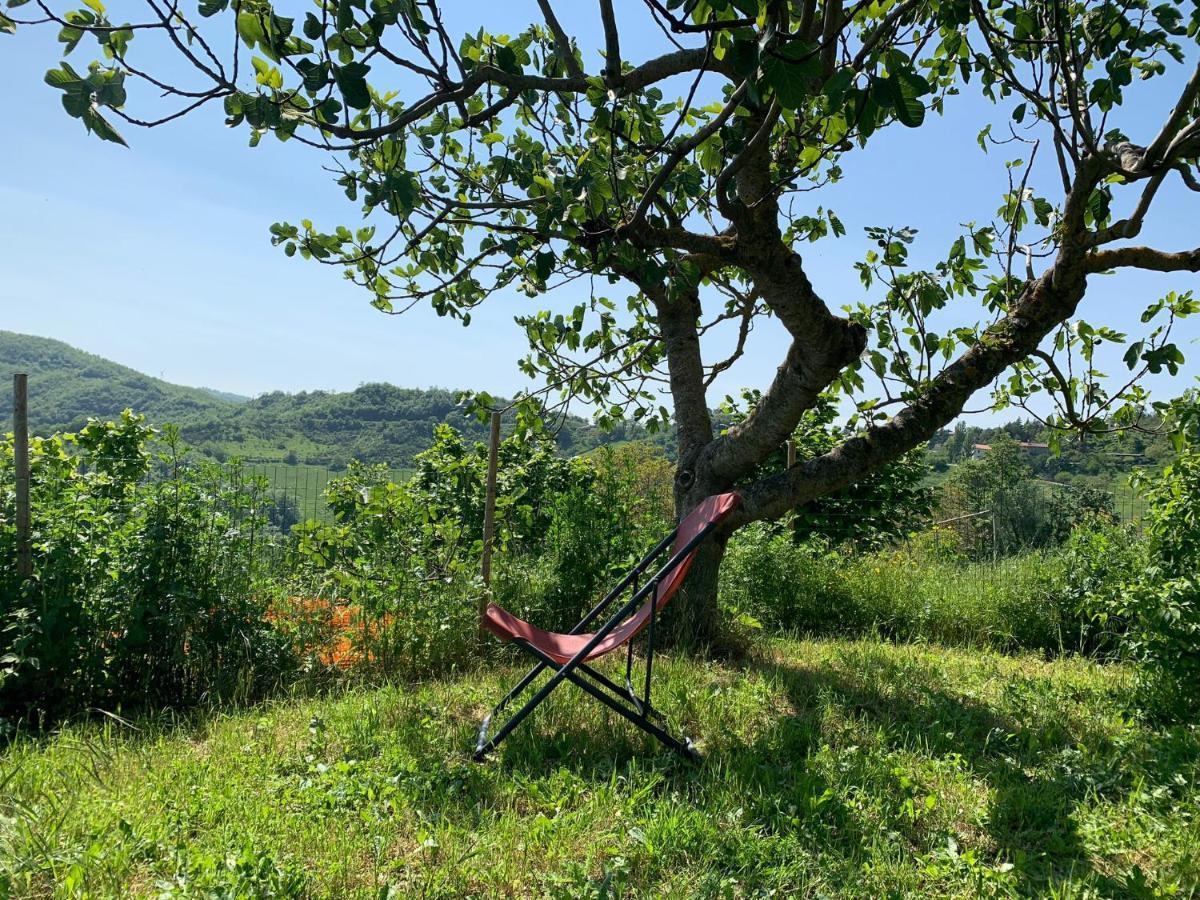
point(1156, 153)
point(1043, 305)
point(612, 45)
point(1144, 258)
point(677, 321)
point(822, 345)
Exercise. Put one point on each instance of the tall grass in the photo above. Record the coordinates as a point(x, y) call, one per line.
point(911, 593)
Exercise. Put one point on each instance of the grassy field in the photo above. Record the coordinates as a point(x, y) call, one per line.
point(302, 487)
point(856, 769)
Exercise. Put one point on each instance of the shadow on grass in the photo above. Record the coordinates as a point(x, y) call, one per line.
point(1030, 817)
point(1039, 765)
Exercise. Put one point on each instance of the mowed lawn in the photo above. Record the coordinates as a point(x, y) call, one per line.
point(857, 769)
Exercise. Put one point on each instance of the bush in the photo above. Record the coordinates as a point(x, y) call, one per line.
point(814, 589)
point(1161, 602)
point(397, 570)
point(142, 589)
point(398, 576)
point(1020, 516)
point(1100, 558)
point(614, 508)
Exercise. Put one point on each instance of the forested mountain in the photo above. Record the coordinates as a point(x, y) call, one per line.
point(388, 424)
point(374, 423)
point(67, 385)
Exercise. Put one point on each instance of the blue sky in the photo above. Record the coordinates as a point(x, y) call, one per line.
point(159, 257)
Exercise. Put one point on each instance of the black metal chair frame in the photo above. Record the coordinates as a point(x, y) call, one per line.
point(639, 710)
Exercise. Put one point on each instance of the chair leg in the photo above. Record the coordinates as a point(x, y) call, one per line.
point(483, 744)
point(682, 746)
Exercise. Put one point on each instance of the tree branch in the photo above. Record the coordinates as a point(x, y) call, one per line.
point(562, 43)
point(612, 45)
point(1144, 258)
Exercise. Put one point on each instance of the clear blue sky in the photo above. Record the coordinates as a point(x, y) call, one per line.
point(158, 256)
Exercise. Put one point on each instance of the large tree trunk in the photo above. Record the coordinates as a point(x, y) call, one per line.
point(692, 622)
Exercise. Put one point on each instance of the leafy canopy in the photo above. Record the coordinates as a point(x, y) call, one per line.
point(671, 193)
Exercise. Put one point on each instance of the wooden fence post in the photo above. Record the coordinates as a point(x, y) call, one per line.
point(791, 453)
point(489, 515)
point(21, 470)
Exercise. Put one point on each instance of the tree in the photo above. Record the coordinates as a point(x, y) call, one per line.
point(530, 162)
point(883, 505)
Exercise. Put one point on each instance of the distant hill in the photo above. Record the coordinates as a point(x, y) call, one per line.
point(67, 385)
point(1099, 461)
point(224, 395)
point(374, 423)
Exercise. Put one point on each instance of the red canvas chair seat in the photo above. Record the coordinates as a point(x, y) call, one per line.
point(568, 654)
point(563, 647)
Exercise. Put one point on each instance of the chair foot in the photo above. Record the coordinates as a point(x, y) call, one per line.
point(481, 741)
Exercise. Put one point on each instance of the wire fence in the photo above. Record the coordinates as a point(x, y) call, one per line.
point(298, 493)
point(1029, 514)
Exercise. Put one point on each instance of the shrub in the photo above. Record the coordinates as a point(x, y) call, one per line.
point(451, 478)
point(402, 561)
point(1100, 558)
point(143, 587)
point(816, 589)
point(405, 572)
point(614, 508)
point(1021, 517)
point(1161, 604)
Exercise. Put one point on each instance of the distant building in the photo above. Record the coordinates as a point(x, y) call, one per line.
point(1027, 448)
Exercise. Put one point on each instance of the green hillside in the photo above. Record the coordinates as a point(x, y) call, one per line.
point(374, 423)
point(67, 385)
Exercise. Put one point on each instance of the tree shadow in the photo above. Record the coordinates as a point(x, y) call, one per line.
point(776, 785)
point(1038, 763)
point(1030, 817)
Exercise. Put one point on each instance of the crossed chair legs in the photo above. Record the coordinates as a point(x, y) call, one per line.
point(624, 702)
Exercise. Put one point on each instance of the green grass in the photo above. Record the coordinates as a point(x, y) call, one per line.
point(858, 769)
point(303, 486)
point(909, 594)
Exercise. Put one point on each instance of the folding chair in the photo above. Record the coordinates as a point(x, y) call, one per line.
point(569, 654)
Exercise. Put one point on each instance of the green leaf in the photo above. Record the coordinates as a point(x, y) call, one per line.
point(329, 109)
point(983, 136)
point(312, 27)
point(70, 36)
point(838, 84)
point(507, 60)
point(100, 127)
point(315, 75)
point(250, 29)
point(905, 88)
point(62, 77)
point(351, 80)
point(743, 57)
point(790, 71)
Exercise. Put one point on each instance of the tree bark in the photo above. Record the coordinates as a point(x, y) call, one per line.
point(692, 622)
